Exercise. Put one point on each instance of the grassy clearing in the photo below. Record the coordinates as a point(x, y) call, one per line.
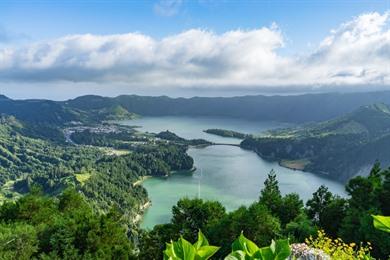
point(116, 152)
point(82, 177)
point(295, 164)
point(7, 192)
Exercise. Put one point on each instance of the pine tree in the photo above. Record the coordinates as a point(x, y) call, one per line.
point(270, 195)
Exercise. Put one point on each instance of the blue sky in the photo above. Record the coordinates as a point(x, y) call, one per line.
point(303, 22)
point(301, 25)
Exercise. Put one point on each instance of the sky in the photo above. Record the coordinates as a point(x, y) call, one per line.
point(61, 49)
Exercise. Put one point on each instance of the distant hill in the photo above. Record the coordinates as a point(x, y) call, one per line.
point(339, 147)
point(296, 109)
point(40, 111)
point(37, 111)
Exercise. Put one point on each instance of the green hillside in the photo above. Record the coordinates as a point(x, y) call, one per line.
point(104, 178)
point(338, 148)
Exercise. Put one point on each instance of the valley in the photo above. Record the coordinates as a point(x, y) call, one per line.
point(220, 168)
point(143, 166)
point(194, 130)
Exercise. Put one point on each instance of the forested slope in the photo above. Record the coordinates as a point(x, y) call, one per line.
point(105, 179)
point(338, 148)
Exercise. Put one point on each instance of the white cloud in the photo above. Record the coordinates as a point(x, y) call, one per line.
point(356, 53)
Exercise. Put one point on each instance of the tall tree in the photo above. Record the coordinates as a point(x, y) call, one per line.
point(190, 215)
point(316, 205)
point(270, 195)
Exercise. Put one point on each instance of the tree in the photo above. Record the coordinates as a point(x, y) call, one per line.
point(384, 193)
point(333, 215)
point(256, 222)
point(270, 195)
point(315, 206)
point(368, 195)
point(190, 215)
point(66, 228)
point(327, 210)
point(300, 228)
point(290, 207)
point(361, 190)
point(18, 241)
point(152, 243)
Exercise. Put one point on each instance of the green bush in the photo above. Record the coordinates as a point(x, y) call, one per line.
point(245, 249)
point(182, 249)
point(242, 249)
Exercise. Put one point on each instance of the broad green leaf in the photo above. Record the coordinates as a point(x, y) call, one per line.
point(267, 253)
point(169, 251)
point(382, 223)
point(258, 255)
point(189, 250)
point(177, 249)
point(273, 246)
point(244, 244)
point(166, 255)
point(239, 244)
point(236, 255)
point(206, 252)
point(282, 249)
point(252, 247)
point(202, 240)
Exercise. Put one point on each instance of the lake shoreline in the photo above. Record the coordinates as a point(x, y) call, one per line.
point(141, 180)
point(230, 175)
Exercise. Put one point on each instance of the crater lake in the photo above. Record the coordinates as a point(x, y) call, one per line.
point(229, 174)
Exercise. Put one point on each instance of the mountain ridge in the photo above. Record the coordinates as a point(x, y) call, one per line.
point(295, 108)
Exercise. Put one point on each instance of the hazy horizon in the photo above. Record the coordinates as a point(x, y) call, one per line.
point(172, 93)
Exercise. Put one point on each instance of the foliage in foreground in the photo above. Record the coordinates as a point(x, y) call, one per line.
point(382, 223)
point(182, 249)
point(40, 227)
point(242, 249)
point(338, 249)
point(321, 247)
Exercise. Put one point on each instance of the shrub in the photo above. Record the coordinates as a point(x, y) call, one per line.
point(243, 248)
point(337, 249)
point(182, 249)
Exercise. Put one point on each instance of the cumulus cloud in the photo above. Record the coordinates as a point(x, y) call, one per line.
point(356, 53)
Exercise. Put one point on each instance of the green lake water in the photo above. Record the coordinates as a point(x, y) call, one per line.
point(228, 174)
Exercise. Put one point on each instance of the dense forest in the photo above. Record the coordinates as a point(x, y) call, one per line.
point(65, 227)
point(102, 176)
point(338, 148)
point(226, 133)
point(169, 136)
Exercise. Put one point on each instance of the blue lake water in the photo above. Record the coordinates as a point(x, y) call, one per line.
point(228, 174)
